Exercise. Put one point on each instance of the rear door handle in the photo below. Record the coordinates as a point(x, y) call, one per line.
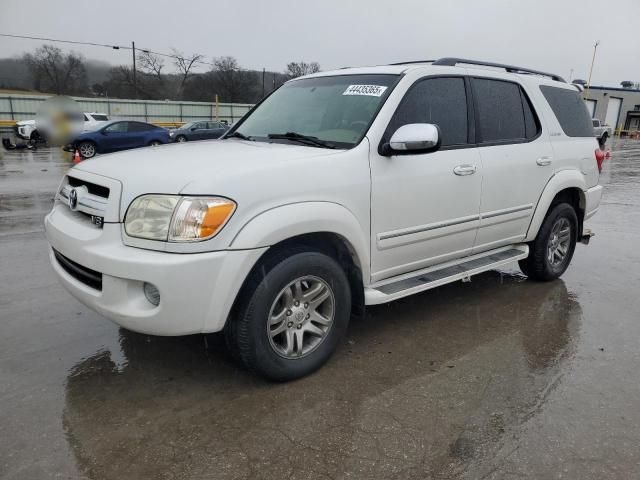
point(544, 161)
point(465, 170)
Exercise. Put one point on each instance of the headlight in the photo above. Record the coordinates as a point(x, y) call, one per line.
point(177, 219)
point(171, 133)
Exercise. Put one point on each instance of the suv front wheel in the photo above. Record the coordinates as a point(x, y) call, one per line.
point(551, 251)
point(291, 314)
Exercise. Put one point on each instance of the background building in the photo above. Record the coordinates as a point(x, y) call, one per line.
point(617, 107)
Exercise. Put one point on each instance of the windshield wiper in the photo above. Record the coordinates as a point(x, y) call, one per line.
point(239, 135)
point(298, 137)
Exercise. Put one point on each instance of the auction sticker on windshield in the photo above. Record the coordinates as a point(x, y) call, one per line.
point(370, 90)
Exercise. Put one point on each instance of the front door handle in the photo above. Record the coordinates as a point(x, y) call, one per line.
point(465, 170)
point(544, 161)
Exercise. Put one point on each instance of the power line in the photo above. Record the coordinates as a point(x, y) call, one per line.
point(93, 44)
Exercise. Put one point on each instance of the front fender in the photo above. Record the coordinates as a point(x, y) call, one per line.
point(560, 181)
point(281, 223)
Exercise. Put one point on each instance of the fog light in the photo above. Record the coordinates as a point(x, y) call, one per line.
point(152, 293)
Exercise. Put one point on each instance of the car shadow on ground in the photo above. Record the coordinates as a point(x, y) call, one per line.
point(422, 386)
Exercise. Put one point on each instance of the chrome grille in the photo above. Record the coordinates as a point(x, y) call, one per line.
point(84, 197)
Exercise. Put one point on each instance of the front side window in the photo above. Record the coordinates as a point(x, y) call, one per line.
point(441, 101)
point(119, 127)
point(570, 110)
point(335, 109)
point(504, 112)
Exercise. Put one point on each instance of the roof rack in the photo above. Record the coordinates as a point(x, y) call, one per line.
point(412, 61)
point(452, 62)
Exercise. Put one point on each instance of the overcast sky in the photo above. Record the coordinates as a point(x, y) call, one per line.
point(551, 35)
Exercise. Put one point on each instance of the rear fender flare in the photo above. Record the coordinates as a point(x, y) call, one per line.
point(560, 181)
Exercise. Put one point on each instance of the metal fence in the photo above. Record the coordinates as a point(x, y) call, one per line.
point(23, 107)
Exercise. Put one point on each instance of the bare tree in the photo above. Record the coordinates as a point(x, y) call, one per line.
point(298, 69)
point(230, 81)
point(55, 71)
point(150, 64)
point(185, 66)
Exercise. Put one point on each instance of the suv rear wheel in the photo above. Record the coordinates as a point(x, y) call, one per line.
point(551, 251)
point(291, 315)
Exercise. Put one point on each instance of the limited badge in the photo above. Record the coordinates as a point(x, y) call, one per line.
point(368, 90)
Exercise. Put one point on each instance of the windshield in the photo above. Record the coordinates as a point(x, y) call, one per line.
point(336, 109)
point(187, 126)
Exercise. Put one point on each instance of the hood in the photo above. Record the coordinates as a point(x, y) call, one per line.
point(215, 167)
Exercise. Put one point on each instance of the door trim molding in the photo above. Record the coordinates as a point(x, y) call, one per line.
point(426, 228)
point(506, 211)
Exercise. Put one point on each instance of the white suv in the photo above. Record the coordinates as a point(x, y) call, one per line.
point(27, 129)
point(341, 189)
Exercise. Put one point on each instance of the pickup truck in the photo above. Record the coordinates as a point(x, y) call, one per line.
point(338, 191)
point(601, 131)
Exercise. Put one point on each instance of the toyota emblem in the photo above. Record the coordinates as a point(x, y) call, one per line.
point(73, 199)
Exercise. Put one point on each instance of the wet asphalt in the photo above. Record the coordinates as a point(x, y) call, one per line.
point(499, 378)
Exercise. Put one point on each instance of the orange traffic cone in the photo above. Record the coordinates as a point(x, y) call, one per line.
point(76, 157)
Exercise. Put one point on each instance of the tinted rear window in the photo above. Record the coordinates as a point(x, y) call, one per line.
point(100, 118)
point(504, 113)
point(570, 111)
point(140, 127)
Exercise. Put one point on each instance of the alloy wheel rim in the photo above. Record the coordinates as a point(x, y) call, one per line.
point(301, 317)
point(559, 242)
point(87, 150)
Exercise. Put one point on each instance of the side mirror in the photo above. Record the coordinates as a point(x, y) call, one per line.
point(193, 129)
point(413, 138)
point(104, 131)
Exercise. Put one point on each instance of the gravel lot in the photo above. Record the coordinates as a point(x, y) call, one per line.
point(497, 378)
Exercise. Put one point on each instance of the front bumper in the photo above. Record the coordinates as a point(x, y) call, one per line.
point(197, 291)
point(20, 132)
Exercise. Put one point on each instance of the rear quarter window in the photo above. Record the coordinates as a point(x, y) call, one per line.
point(570, 110)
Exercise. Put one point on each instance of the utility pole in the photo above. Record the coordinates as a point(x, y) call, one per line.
point(593, 60)
point(135, 80)
point(263, 72)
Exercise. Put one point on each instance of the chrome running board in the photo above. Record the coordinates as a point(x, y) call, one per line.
point(425, 279)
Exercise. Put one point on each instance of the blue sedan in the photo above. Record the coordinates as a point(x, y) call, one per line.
point(118, 135)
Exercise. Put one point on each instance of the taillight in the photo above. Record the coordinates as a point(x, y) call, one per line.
point(599, 159)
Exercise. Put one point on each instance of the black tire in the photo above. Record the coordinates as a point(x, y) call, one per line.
point(181, 139)
point(603, 139)
point(155, 143)
point(36, 138)
point(537, 266)
point(247, 330)
point(87, 149)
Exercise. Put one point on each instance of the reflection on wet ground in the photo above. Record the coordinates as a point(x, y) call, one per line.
point(497, 378)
